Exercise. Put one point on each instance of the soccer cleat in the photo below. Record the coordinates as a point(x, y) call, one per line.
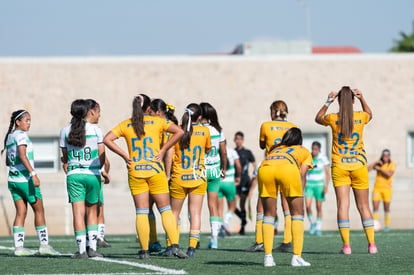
point(386, 229)
point(312, 229)
point(268, 260)
point(102, 243)
point(155, 247)
point(93, 253)
point(213, 245)
point(297, 261)
point(275, 232)
point(255, 247)
point(346, 249)
point(241, 231)
point(143, 255)
point(21, 251)
point(78, 255)
point(46, 249)
point(284, 247)
point(372, 248)
point(318, 233)
point(177, 252)
point(167, 252)
point(191, 252)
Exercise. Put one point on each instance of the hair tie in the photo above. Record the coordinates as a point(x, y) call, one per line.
point(170, 107)
point(190, 113)
point(19, 115)
point(142, 99)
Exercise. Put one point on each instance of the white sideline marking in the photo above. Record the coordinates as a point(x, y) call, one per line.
point(7, 248)
point(146, 266)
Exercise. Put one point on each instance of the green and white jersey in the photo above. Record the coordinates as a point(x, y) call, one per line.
point(316, 176)
point(231, 170)
point(17, 171)
point(83, 160)
point(212, 159)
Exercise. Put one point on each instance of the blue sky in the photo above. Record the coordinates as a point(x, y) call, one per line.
point(135, 27)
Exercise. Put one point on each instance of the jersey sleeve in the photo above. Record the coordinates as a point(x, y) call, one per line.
point(306, 157)
point(118, 130)
point(166, 124)
point(262, 133)
point(234, 153)
point(392, 166)
point(325, 160)
point(222, 137)
point(208, 138)
point(326, 120)
point(63, 141)
point(251, 157)
point(21, 139)
point(365, 117)
point(98, 132)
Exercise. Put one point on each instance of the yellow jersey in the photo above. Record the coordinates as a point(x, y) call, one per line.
point(348, 153)
point(272, 132)
point(295, 155)
point(143, 149)
point(382, 181)
point(188, 164)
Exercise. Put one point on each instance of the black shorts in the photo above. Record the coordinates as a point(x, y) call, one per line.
point(243, 188)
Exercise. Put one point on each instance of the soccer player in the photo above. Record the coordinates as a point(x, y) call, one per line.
point(216, 165)
point(383, 186)
point(24, 184)
point(145, 168)
point(166, 111)
point(84, 153)
point(349, 162)
point(246, 157)
point(227, 190)
point(284, 169)
point(189, 173)
point(271, 133)
point(317, 182)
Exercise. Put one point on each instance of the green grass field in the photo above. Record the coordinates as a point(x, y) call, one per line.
point(395, 256)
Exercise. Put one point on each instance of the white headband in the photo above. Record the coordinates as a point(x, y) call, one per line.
point(142, 99)
point(190, 113)
point(19, 115)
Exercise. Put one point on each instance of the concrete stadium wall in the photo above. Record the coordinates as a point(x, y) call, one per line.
point(241, 88)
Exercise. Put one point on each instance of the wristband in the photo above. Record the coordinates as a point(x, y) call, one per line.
point(33, 173)
point(329, 101)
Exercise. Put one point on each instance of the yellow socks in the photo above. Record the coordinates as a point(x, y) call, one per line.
point(387, 219)
point(368, 225)
point(169, 224)
point(297, 234)
point(268, 228)
point(375, 215)
point(153, 228)
point(142, 226)
point(194, 238)
point(343, 226)
point(287, 234)
point(259, 228)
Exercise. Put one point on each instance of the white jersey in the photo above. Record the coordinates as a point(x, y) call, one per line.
point(231, 170)
point(17, 171)
point(83, 160)
point(316, 176)
point(212, 159)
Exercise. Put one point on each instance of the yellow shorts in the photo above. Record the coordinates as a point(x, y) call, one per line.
point(156, 184)
point(179, 192)
point(382, 194)
point(284, 177)
point(358, 178)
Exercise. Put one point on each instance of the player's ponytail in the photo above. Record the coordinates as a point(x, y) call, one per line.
point(279, 109)
point(191, 115)
point(346, 111)
point(16, 115)
point(167, 109)
point(140, 104)
point(292, 137)
point(77, 135)
point(209, 113)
